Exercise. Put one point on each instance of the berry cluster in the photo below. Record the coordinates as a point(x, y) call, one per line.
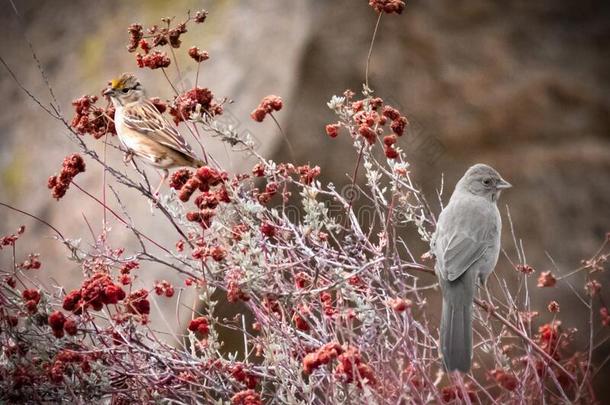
point(196, 100)
point(246, 397)
point(242, 375)
point(31, 298)
point(186, 183)
point(268, 105)
point(367, 119)
point(451, 393)
point(60, 324)
point(31, 263)
point(164, 288)
point(234, 290)
point(95, 292)
point(137, 303)
point(350, 366)
point(206, 180)
point(125, 271)
point(198, 55)
point(156, 36)
point(90, 119)
point(504, 379)
point(268, 229)
point(322, 356)
point(388, 6)
point(153, 60)
point(60, 367)
point(200, 325)
point(525, 269)
point(9, 240)
point(546, 279)
point(299, 318)
point(400, 304)
point(72, 165)
point(551, 339)
point(605, 316)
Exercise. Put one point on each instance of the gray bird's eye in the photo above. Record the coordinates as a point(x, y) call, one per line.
point(487, 182)
point(125, 90)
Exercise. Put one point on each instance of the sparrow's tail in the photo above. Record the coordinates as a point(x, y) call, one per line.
point(197, 163)
point(456, 324)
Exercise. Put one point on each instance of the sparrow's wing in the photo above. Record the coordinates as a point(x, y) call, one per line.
point(146, 119)
point(461, 239)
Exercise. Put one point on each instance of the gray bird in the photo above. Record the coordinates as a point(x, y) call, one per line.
point(466, 245)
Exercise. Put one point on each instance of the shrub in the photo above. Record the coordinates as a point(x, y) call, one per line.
point(339, 305)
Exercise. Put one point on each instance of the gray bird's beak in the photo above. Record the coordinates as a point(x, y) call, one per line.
point(108, 91)
point(503, 184)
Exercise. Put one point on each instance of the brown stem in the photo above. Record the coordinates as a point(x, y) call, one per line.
point(523, 336)
point(351, 199)
point(34, 217)
point(277, 124)
point(121, 219)
point(368, 58)
point(105, 219)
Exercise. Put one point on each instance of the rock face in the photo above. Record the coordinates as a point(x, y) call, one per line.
point(520, 85)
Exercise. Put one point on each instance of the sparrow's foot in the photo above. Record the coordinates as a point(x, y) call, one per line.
point(128, 157)
point(164, 176)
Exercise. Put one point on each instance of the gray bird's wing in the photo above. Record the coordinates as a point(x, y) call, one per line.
point(461, 238)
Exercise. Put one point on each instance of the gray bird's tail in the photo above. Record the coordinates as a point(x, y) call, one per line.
point(456, 324)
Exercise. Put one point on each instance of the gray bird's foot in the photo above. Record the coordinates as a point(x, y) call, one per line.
point(489, 303)
point(488, 306)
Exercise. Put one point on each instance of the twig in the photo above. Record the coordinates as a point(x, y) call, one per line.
point(368, 57)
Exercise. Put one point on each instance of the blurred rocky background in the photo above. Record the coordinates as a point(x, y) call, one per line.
point(521, 85)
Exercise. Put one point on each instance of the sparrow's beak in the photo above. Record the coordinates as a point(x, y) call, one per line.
point(502, 184)
point(108, 91)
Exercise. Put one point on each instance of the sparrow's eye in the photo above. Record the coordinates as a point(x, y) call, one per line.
point(487, 182)
point(125, 90)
